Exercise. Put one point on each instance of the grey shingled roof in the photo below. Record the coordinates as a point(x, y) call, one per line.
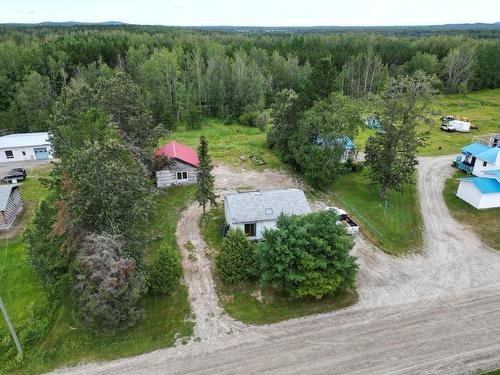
point(256, 206)
point(5, 194)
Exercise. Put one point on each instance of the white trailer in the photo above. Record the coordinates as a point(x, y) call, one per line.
point(459, 126)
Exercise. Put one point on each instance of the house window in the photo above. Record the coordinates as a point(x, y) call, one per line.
point(24, 153)
point(485, 163)
point(9, 154)
point(182, 175)
point(251, 229)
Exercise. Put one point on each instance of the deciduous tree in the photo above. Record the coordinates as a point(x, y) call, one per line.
point(307, 256)
point(391, 152)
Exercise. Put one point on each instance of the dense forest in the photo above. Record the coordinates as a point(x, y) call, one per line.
point(183, 74)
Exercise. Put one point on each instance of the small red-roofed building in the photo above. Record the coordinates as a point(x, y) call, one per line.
point(184, 167)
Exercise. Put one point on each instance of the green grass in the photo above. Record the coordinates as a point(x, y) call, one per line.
point(165, 318)
point(398, 230)
point(250, 303)
point(18, 284)
point(228, 142)
point(69, 344)
point(169, 205)
point(485, 223)
point(481, 107)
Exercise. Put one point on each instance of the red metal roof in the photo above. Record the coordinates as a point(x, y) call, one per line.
point(174, 150)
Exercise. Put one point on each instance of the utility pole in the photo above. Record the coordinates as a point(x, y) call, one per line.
point(11, 327)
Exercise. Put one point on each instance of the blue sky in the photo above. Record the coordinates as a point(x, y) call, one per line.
point(254, 12)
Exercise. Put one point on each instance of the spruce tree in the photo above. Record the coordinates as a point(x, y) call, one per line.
point(205, 193)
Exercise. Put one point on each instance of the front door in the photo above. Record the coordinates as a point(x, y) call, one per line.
point(41, 153)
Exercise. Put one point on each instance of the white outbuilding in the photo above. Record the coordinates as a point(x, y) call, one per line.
point(25, 146)
point(255, 211)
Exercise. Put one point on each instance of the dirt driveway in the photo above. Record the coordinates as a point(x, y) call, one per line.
point(432, 313)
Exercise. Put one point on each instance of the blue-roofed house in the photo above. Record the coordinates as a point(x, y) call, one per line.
point(482, 161)
point(350, 149)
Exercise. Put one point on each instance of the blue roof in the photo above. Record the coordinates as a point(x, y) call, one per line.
point(475, 149)
point(485, 185)
point(489, 155)
point(343, 140)
point(348, 144)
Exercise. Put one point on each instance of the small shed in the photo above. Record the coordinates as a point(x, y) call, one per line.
point(10, 205)
point(25, 146)
point(255, 211)
point(184, 167)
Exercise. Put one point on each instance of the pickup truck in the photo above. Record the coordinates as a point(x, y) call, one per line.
point(344, 219)
point(17, 174)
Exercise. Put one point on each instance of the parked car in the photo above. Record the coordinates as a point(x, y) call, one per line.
point(15, 174)
point(344, 219)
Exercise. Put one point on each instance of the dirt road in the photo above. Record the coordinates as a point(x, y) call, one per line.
point(433, 313)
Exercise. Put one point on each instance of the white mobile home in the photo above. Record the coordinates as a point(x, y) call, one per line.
point(25, 146)
point(255, 211)
point(483, 161)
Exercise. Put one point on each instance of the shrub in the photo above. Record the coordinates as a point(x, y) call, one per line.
point(307, 256)
point(254, 118)
point(107, 287)
point(165, 271)
point(43, 248)
point(235, 261)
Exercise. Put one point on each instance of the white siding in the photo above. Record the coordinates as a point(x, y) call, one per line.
point(261, 226)
point(469, 193)
point(472, 195)
point(479, 169)
point(490, 200)
point(29, 151)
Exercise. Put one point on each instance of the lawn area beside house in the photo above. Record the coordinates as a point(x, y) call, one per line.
point(165, 318)
point(396, 229)
point(481, 107)
point(252, 304)
point(228, 142)
point(485, 223)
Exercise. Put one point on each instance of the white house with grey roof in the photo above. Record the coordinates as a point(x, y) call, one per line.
point(255, 211)
point(25, 146)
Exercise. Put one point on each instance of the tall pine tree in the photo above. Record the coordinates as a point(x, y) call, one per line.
point(205, 193)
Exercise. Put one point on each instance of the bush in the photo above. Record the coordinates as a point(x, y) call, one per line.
point(307, 256)
point(43, 248)
point(235, 261)
point(107, 287)
point(165, 271)
point(254, 118)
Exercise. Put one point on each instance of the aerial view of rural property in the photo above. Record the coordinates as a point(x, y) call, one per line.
point(261, 187)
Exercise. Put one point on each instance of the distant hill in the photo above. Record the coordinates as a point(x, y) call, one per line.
point(71, 23)
point(491, 30)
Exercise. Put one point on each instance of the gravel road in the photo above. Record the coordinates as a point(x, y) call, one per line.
point(436, 313)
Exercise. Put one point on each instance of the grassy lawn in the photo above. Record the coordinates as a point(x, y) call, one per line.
point(252, 304)
point(165, 318)
point(227, 142)
point(485, 223)
point(481, 107)
point(396, 229)
point(18, 284)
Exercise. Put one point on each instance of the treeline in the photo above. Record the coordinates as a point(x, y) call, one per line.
point(185, 74)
